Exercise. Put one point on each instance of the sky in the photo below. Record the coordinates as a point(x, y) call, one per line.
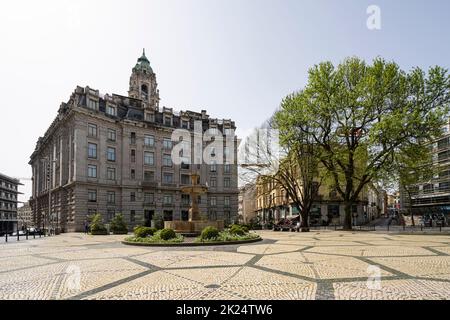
point(236, 59)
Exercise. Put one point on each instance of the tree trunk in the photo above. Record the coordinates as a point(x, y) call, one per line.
point(304, 224)
point(411, 213)
point(348, 215)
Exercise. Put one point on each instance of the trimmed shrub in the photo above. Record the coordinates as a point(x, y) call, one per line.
point(167, 234)
point(237, 230)
point(97, 227)
point(143, 232)
point(209, 233)
point(118, 225)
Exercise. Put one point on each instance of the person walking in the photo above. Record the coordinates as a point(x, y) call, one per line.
point(86, 227)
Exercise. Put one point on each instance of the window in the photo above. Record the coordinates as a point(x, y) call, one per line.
point(111, 214)
point(167, 160)
point(133, 155)
point(167, 121)
point(185, 179)
point(168, 215)
point(92, 195)
point(213, 131)
point(111, 110)
point(111, 174)
point(111, 154)
point(149, 141)
point(167, 144)
point(92, 104)
point(227, 182)
point(111, 135)
point(227, 168)
point(149, 117)
point(111, 198)
point(92, 130)
point(133, 138)
point(227, 201)
point(227, 216)
point(92, 171)
point(132, 216)
point(168, 199)
point(228, 131)
point(167, 177)
point(92, 151)
point(149, 176)
point(213, 167)
point(185, 124)
point(133, 174)
point(185, 199)
point(213, 201)
point(149, 198)
point(185, 166)
point(213, 182)
point(149, 158)
point(132, 196)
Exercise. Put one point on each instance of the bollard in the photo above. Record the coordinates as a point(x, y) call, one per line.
point(27, 234)
point(6, 236)
point(34, 234)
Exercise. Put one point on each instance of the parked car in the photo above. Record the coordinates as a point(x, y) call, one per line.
point(21, 233)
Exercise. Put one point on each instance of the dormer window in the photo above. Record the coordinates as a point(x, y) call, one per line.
point(92, 104)
point(167, 121)
point(185, 124)
point(111, 110)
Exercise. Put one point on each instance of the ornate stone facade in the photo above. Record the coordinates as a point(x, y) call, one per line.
point(112, 154)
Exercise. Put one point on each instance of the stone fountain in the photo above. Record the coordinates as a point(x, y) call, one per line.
point(196, 222)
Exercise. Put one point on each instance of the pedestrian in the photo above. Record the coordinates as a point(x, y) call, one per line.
point(86, 227)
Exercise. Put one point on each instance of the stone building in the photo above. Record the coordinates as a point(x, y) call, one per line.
point(112, 154)
point(273, 204)
point(247, 203)
point(9, 190)
point(25, 216)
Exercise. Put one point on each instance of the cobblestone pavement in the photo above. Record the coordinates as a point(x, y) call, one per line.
point(317, 265)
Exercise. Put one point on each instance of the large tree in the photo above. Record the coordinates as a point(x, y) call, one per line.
point(292, 167)
point(361, 115)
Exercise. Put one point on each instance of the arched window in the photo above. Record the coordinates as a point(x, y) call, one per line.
point(144, 91)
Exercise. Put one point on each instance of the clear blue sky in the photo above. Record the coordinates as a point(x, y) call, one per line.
point(235, 58)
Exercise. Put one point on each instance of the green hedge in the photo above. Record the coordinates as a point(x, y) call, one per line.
point(97, 227)
point(209, 233)
point(118, 225)
point(238, 230)
point(143, 232)
point(167, 234)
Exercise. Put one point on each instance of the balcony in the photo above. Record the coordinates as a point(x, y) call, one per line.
point(149, 184)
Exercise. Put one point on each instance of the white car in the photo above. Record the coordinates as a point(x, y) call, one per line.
point(21, 233)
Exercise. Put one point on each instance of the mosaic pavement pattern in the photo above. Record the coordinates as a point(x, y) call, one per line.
point(325, 265)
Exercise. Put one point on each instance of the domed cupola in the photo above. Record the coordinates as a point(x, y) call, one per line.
point(143, 83)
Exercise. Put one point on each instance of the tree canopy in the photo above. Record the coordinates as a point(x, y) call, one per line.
point(361, 115)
